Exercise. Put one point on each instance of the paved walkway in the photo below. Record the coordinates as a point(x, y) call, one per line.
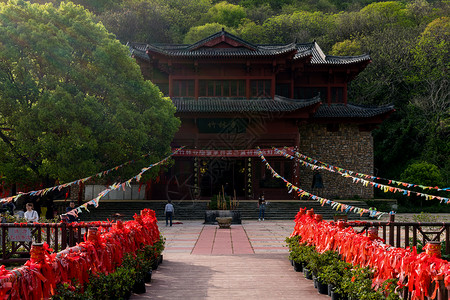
point(247, 261)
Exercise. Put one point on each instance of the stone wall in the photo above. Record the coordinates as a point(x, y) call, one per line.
point(347, 148)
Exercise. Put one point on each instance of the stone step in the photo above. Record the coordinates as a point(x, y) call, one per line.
point(195, 210)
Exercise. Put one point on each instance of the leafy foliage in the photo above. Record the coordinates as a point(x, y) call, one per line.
point(72, 99)
point(422, 173)
point(224, 13)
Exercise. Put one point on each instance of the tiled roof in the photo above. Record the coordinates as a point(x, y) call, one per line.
point(351, 111)
point(220, 34)
point(245, 50)
point(139, 50)
point(180, 51)
point(240, 105)
point(318, 57)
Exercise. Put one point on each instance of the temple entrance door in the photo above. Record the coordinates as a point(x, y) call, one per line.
point(222, 174)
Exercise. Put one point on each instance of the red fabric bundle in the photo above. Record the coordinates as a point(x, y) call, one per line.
point(415, 271)
point(38, 279)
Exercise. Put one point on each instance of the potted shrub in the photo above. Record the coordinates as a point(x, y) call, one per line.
point(325, 259)
point(357, 284)
point(222, 206)
point(137, 263)
point(333, 273)
point(295, 252)
point(302, 255)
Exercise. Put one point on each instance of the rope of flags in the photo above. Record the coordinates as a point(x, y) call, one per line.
point(42, 192)
point(117, 186)
point(335, 205)
point(390, 181)
point(347, 174)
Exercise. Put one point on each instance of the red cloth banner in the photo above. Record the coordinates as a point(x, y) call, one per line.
point(416, 272)
point(38, 278)
point(228, 153)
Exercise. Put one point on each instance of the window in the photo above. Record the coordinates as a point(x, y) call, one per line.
point(260, 88)
point(222, 88)
point(283, 89)
point(183, 88)
point(134, 193)
point(310, 92)
point(337, 95)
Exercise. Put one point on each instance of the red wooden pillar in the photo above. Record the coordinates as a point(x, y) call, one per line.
point(328, 94)
point(196, 88)
point(272, 87)
point(345, 93)
point(247, 88)
point(296, 175)
point(170, 86)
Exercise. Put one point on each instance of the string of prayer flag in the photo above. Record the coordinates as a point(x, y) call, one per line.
point(335, 205)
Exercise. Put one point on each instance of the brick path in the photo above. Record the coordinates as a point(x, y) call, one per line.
point(248, 261)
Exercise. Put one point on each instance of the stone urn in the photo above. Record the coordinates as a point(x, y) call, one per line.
point(211, 215)
point(224, 222)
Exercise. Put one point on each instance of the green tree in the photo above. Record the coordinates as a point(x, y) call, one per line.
point(72, 100)
point(184, 14)
point(347, 47)
point(224, 13)
point(143, 22)
point(275, 4)
point(303, 26)
point(200, 32)
point(422, 173)
point(431, 98)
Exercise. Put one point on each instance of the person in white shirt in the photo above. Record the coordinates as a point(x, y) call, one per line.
point(31, 215)
point(169, 210)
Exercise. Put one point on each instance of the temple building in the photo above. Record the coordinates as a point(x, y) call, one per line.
point(232, 95)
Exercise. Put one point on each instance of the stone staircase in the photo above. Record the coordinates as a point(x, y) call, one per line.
point(195, 210)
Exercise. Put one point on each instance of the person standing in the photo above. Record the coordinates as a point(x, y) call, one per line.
point(262, 207)
point(31, 215)
point(71, 218)
point(168, 211)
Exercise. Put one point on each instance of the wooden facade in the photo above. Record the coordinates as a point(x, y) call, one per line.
point(231, 94)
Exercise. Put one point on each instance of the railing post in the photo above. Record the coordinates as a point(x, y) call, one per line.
point(63, 236)
point(391, 229)
point(447, 239)
point(79, 239)
point(4, 242)
point(49, 234)
point(71, 243)
point(56, 238)
point(39, 233)
point(443, 292)
point(406, 236)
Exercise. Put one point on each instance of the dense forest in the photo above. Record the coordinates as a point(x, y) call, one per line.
point(409, 42)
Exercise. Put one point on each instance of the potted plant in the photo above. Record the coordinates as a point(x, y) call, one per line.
point(319, 263)
point(301, 258)
point(333, 273)
point(223, 206)
point(137, 263)
point(357, 284)
point(296, 252)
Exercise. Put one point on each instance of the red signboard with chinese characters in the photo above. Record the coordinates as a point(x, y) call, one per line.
point(227, 153)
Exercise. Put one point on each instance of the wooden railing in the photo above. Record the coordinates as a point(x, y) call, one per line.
point(408, 234)
point(58, 236)
point(405, 234)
